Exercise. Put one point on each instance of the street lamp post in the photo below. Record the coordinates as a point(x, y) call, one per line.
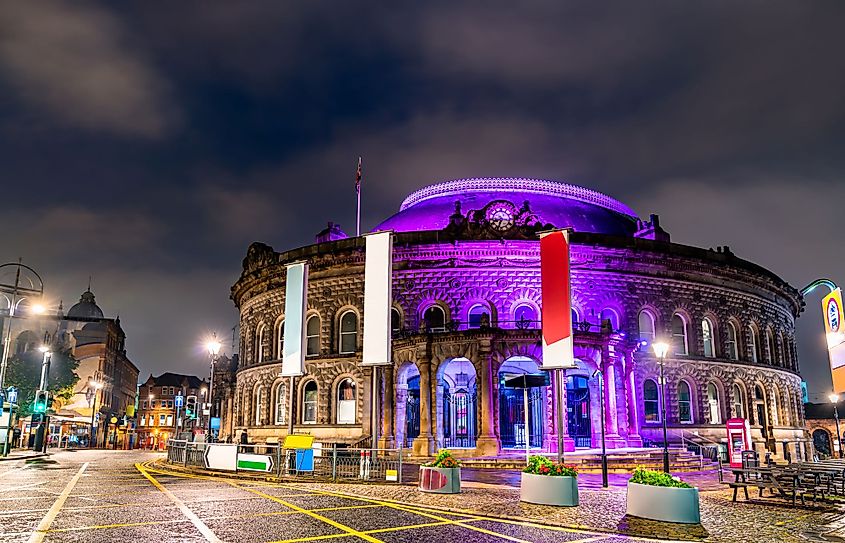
point(92, 440)
point(150, 399)
point(660, 349)
point(598, 373)
point(213, 347)
point(834, 399)
point(47, 356)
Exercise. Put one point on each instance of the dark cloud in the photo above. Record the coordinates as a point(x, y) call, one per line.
point(148, 144)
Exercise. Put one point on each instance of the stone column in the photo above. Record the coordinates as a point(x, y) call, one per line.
point(612, 438)
point(386, 441)
point(487, 443)
point(634, 439)
point(424, 444)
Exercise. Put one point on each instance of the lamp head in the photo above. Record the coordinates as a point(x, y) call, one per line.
point(834, 398)
point(43, 348)
point(38, 309)
point(213, 345)
point(660, 348)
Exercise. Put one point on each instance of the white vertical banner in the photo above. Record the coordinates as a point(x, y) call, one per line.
point(296, 298)
point(378, 297)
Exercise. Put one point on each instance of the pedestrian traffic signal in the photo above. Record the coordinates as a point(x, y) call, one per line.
point(41, 401)
point(191, 407)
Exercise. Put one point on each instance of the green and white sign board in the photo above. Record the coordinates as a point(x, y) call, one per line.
point(223, 457)
point(255, 462)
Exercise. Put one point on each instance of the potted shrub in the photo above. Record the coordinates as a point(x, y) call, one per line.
point(660, 496)
point(548, 483)
point(442, 475)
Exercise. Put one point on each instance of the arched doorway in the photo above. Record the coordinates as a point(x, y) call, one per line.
point(578, 410)
point(456, 404)
point(512, 410)
point(822, 443)
point(407, 405)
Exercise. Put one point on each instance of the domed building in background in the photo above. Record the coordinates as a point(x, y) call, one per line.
point(466, 314)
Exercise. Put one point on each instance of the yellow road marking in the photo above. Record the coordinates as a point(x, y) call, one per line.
point(38, 535)
point(330, 522)
point(195, 520)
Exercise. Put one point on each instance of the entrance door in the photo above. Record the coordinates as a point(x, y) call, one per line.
point(459, 418)
point(512, 417)
point(821, 442)
point(412, 411)
point(578, 411)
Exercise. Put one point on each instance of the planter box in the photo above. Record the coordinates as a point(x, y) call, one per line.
point(548, 490)
point(440, 480)
point(663, 503)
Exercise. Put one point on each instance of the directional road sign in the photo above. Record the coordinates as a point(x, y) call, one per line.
point(255, 462)
point(221, 456)
point(179, 400)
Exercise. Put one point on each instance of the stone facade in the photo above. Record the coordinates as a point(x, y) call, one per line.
point(484, 285)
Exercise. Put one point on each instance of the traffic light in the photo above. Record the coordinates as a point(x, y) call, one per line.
point(191, 407)
point(42, 400)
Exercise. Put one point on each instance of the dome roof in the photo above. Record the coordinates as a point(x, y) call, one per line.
point(86, 308)
point(549, 202)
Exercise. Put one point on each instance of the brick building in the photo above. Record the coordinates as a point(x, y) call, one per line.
point(821, 426)
point(159, 419)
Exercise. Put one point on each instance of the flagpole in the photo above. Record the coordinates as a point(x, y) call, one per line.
point(358, 191)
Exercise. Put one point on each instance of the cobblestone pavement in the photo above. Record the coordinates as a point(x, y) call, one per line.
point(97, 496)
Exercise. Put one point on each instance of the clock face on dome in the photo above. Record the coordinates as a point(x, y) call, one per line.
point(500, 216)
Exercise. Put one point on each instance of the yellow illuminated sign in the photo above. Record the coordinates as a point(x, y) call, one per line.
point(298, 442)
point(835, 335)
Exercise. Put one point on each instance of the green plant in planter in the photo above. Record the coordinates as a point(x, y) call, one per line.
point(540, 465)
point(444, 459)
point(657, 478)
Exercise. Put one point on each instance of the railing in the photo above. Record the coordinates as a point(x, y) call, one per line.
point(350, 464)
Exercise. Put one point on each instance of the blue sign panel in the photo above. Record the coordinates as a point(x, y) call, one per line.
point(180, 400)
point(305, 459)
point(215, 423)
point(805, 396)
point(12, 394)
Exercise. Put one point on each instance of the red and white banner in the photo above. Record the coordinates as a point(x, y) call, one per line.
point(378, 297)
point(557, 303)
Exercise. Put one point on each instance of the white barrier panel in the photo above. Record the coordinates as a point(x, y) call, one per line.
point(220, 456)
point(255, 462)
point(296, 295)
point(378, 283)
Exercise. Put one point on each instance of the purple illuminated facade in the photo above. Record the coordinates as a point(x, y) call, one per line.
point(466, 285)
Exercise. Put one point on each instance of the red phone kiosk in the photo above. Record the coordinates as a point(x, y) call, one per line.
point(739, 439)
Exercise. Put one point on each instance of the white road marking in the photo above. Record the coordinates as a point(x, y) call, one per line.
point(195, 520)
point(39, 533)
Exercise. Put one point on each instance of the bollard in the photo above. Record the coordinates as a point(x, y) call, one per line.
point(334, 461)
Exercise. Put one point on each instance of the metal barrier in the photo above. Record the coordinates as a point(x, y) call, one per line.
point(336, 463)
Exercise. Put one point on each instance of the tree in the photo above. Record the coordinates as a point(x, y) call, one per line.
point(24, 372)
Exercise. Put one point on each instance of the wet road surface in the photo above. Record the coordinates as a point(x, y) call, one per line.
point(95, 496)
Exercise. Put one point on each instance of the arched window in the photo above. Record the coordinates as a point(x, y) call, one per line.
point(707, 337)
point(770, 347)
point(395, 320)
point(731, 344)
point(781, 350)
point(260, 333)
point(476, 316)
point(259, 400)
point(346, 403)
point(645, 321)
point(760, 411)
point(684, 402)
point(754, 343)
point(525, 316)
point(281, 404)
point(679, 335)
point(348, 332)
point(309, 403)
point(651, 401)
point(312, 336)
point(280, 339)
point(739, 402)
point(608, 314)
point(435, 319)
point(713, 404)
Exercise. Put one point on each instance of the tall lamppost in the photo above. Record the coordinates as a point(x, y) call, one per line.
point(598, 373)
point(834, 399)
point(96, 385)
point(660, 349)
point(27, 284)
point(213, 347)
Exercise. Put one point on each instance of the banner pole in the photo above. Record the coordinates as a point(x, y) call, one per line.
point(374, 414)
point(290, 406)
point(560, 382)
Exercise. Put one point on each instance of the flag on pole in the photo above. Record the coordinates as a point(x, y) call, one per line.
point(358, 177)
point(378, 297)
point(296, 298)
point(557, 304)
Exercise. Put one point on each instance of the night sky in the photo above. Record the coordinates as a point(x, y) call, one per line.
point(148, 144)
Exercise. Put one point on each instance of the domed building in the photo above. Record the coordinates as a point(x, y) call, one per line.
point(466, 315)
